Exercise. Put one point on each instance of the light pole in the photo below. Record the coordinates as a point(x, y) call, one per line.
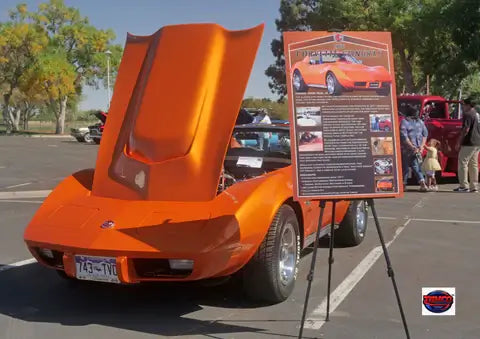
point(108, 53)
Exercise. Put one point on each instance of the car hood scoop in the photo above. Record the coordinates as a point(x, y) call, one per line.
point(177, 96)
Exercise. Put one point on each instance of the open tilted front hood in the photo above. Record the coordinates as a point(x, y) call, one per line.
point(176, 99)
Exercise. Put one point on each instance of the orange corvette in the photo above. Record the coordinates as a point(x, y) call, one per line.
point(169, 198)
point(385, 185)
point(339, 72)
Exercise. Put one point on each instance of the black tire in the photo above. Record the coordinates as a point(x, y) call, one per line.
point(337, 89)
point(80, 139)
point(350, 233)
point(97, 140)
point(88, 138)
point(302, 86)
point(262, 275)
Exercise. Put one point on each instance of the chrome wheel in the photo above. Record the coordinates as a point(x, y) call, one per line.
point(361, 216)
point(330, 84)
point(88, 138)
point(296, 81)
point(288, 255)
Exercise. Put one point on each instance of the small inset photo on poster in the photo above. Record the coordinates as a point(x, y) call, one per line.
point(382, 146)
point(309, 116)
point(310, 141)
point(384, 184)
point(380, 122)
point(383, 166)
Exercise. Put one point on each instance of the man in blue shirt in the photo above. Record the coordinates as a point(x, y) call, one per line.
point(413, 135)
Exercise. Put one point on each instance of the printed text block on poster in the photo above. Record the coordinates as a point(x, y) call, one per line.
point(343, 113)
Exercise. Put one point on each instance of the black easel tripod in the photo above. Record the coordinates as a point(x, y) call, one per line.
point(390, 272)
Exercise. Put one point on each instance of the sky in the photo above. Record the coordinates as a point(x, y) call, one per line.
point(144, 17)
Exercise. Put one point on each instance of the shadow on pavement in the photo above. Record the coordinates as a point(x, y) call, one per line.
point(36, 294)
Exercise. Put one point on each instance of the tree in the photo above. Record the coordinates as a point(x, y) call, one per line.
point(54, 78)
point(276, 110)
point(427, 36)
point(83, 48)
point(20, 42)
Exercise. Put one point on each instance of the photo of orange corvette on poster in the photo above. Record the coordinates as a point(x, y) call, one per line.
point(338, 73)
point(349, 80)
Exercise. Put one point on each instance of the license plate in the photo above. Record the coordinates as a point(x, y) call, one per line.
point(96, 268)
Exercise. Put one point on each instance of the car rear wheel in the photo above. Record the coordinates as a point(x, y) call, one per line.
point(333, 86)
point(353, 227)
point(271, 273)
point(97, 140)
point(298, 83)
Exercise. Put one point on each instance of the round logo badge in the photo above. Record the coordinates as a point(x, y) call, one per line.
point(107, 224)
point(438, 301)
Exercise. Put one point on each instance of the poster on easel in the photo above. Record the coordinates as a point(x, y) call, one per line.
point(343, 115)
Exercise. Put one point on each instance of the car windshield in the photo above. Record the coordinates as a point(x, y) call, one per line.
point(336, 57)
point(262, 143)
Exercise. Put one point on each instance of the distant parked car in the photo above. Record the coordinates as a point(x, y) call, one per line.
point(84, 134)
point(96, 131)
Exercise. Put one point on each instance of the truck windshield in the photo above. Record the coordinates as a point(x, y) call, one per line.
point(403, 103)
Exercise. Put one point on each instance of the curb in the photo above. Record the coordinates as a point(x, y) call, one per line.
point(50, 136)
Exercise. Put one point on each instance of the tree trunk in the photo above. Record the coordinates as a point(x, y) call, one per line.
point(16, 119)
point(407, 71)
point(6, 113)
point(60, 128)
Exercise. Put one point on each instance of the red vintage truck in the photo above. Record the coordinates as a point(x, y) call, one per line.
point(443, 120)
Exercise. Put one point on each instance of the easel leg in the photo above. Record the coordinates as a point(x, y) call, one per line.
point(312, 268)
point(389, 265)
point(330, 258)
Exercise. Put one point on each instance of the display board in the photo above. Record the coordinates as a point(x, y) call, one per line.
point(343, 115)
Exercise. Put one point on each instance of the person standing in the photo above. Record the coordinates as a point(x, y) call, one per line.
point(413, 136)
point(469, 144)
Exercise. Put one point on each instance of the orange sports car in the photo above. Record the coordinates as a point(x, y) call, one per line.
point(339, 72)
point(385, 185)
point(169, 199)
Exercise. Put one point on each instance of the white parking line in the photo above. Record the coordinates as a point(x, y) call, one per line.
point(19, 185)
point(315, 321)
point(24, 194)
point(17, 264)
point(22, 201)
point(448, 221)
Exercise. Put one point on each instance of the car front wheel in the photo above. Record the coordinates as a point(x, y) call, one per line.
point(271, 273)
point(353, 227)
point(333, 86)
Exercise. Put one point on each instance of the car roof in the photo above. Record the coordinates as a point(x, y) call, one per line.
point(421, 97)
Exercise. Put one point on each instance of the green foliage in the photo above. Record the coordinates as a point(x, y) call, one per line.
point(439, 38)
point(47, 57)
point(276, 110)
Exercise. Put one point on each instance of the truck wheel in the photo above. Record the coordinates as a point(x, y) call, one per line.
point(353, 227)
point(271, 273)
point(298, 83)
point(333, 87)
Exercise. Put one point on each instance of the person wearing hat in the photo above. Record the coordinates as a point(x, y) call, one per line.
point(469, 144)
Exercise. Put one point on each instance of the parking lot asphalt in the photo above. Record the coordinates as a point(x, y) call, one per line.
point(432, 238)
